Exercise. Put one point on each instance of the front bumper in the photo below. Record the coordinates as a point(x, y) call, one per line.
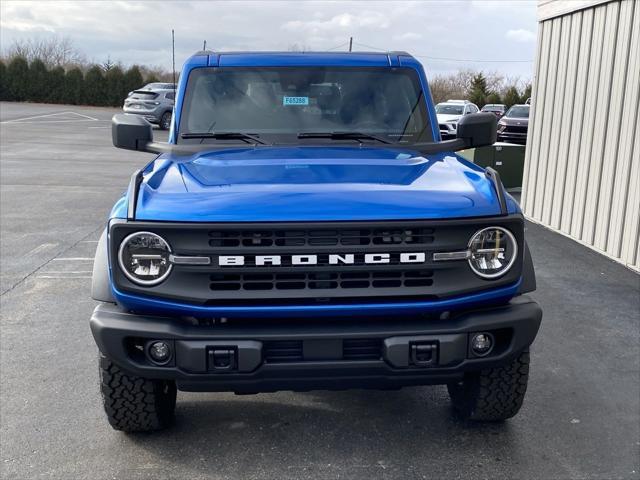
point(314, 354)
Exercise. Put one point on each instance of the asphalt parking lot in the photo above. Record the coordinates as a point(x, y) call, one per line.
point(59, 178)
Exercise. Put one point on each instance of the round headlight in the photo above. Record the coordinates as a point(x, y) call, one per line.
point(492, 252)
point(144, 258)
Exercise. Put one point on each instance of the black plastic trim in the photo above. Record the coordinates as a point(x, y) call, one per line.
point(528, 283)
point(132, 194)
point(112, 327)
point(100, 285)
point(494, 176)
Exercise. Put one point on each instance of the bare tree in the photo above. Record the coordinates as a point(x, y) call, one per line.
point(54, 51)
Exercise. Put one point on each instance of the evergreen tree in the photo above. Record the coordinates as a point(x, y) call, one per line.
point(56, 86)
point(94, 91)
point(494, 97)
point(151, 79)
point(18, 79)
point(133, 79)
point(478, 90)
point(4, 91)
point(526, 94)
point(38, 85)
point(116, 90)
point(74, 87)
point(511, 96)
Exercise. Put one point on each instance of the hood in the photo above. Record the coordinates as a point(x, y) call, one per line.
point(514, 121)
point(313, 184)
point(442, 118)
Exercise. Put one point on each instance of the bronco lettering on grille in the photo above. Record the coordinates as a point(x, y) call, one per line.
point(333, 259)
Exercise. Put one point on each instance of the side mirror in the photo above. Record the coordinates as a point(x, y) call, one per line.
point(478, 129)
point(131, 132)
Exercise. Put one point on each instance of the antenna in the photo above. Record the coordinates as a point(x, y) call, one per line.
point(173, 59)
point(350, 43)
point(204, 45)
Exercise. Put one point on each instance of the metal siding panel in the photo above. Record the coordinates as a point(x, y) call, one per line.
point(603, 106)
point(612, 161)
point(557, 127)
point(624, 192)
point(547, 118)
point(527, 178)
point(589, 119)
point(577, 120)
point(631, 225)
point(539, 100)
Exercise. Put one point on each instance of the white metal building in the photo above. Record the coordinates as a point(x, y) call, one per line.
point(582, 166)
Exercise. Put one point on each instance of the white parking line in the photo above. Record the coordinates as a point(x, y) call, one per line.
point(85, 118)
point(61, 272)
point(73, 259)
point(59, 277)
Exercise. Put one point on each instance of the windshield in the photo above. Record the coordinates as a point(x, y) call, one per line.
point(449, 109)
point(277, 104)
point(518, 112)
point(492, 108)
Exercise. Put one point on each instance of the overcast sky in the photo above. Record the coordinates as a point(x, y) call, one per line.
point(140, 32)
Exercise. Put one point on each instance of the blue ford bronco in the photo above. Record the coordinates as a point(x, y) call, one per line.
point(303, 228)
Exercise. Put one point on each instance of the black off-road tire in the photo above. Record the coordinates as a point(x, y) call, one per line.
point(135, 404)
point(165, 121)
point(493, 394)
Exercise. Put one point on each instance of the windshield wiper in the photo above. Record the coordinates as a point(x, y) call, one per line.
point(226, 136)
point(343, 136)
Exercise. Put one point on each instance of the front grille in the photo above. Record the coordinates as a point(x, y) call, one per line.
point(353, 349)
point(362, 349)
point(321, 280)
point(282, 351)
point(320, 237)
point(351, 262)
point(516, 129)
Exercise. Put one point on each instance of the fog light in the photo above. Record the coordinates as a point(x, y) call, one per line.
point(481, 344)
point(160, 352)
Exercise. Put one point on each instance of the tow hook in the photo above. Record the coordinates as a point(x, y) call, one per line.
point(222, 359)
point(423, 354)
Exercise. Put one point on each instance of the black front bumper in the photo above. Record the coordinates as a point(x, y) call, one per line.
point(263, 356)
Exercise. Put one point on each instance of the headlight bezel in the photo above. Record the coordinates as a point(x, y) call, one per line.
point(514, 244)
point(129, 275)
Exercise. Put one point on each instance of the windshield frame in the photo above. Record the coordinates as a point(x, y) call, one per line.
point(292, 137)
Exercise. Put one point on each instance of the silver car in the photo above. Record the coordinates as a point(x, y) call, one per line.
point(154, 102)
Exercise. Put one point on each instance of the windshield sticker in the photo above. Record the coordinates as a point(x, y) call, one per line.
point(295, 101)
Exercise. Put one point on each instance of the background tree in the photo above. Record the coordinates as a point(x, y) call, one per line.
point(54, 51)
point(526, 93)
point(116, 89)
point(151, 79)
point(494, 97)
point(478, 91)
point(38, 83)
point(133, 79)
point(4, 92)
point(74, 87)
point(55, 90)
point(94, 83)
point(18, 79)
point(511, 96)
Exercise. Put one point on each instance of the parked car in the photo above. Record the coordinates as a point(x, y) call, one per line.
point(450, 112)
point(514, 125)
point(154, 102)
point(289, 238)
point(498, 109)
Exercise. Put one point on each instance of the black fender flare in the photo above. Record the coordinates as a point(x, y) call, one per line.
point(100, 284)
point(528, 283)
